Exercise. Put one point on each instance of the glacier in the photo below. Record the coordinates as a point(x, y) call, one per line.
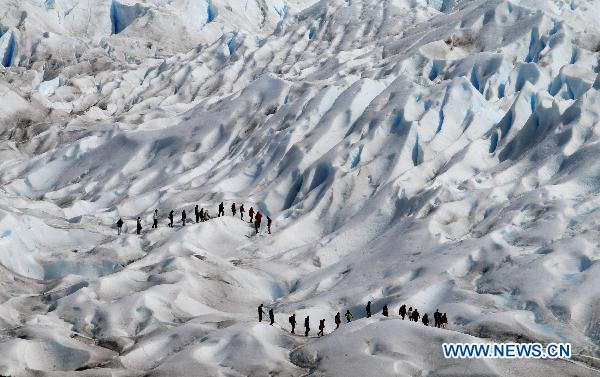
point(438, 154)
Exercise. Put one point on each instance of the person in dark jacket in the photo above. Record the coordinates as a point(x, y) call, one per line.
point(221, 209)
point(257, 221)
point(202, 214)
point(443, 321)
point(269, 222)
point(385, 311)
point(306, 326)
point(260, 312)
point(338, 320)
point(197, 213)
point(183, 217)
point(119, 226)
point(271, 316)
point(402, 311)
point(368, 309)
point(242, 212)
point(348, 316)
point(251, 214)
point(139, 225)
point(415, 315)
point(171, 219)
point(425, 320)
point(293, 322)
point(436, 318)
point(155, 219)
point(233, 210)
point(321, 327)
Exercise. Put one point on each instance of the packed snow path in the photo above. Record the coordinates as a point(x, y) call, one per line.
point(433, 153)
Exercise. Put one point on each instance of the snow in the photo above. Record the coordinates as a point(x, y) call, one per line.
point(438, 154)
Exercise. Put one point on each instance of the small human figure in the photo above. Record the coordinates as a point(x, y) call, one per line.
point(292, 320)
point(306, 325)
point(221, 209)
point(251, 214)
point(257, 220)
point(155, 219)
point(197, 213)
point(183, 217)
point(242, 212)
point(385, 311)
point(409, 313)
point(269, 222)
point(202, 214)
point(119, 226)
point(206, 215)
point(321, 327)
point(271, 316)
point(416, 315)
point(425, 320)
point(171, 219)
point(402, 311)
point(348, 316)
point(139, 225)
point(443, 321)
point(368, 309)
point(233, 210)
point(436, 318)
point(260, 312)
point(338, 320)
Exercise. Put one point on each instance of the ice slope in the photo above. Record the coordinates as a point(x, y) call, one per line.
point(433, 153)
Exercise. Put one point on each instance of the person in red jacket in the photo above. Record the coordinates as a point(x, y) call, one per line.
point(321, 327)
point(257, 220)
point(251, 214)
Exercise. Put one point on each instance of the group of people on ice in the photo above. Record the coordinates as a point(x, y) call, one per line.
point(202, 215)
point(440, 319)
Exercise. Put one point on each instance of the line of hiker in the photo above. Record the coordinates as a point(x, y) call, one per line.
point(413, 315)
point(202, 215)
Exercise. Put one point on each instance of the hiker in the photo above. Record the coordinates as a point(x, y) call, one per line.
point(306, 325)
point(242, 212)
point(416, 315)
point(251, 214)
point(257, 220)
point(338, 320)
point(293, 322)
point(443, 321)
point(202, 214)
point(368, 308)
point(139, 225)
point(260, 312)
point(385, 311)
point(155, 219)
point(183, 217)
point(269, 221)
point(409, 313)
point(348, 316)
point(119, 226)
point(206, 215)
point(171, 219)
point(197, 213)
point(321, 327)
point(425, 320)
point(258, 217)
point(233, 209)
point(436, 318)
point(402, 311)
point(221, 209)
point(271, 316)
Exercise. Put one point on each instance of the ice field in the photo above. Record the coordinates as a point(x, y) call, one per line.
point(438, 154)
